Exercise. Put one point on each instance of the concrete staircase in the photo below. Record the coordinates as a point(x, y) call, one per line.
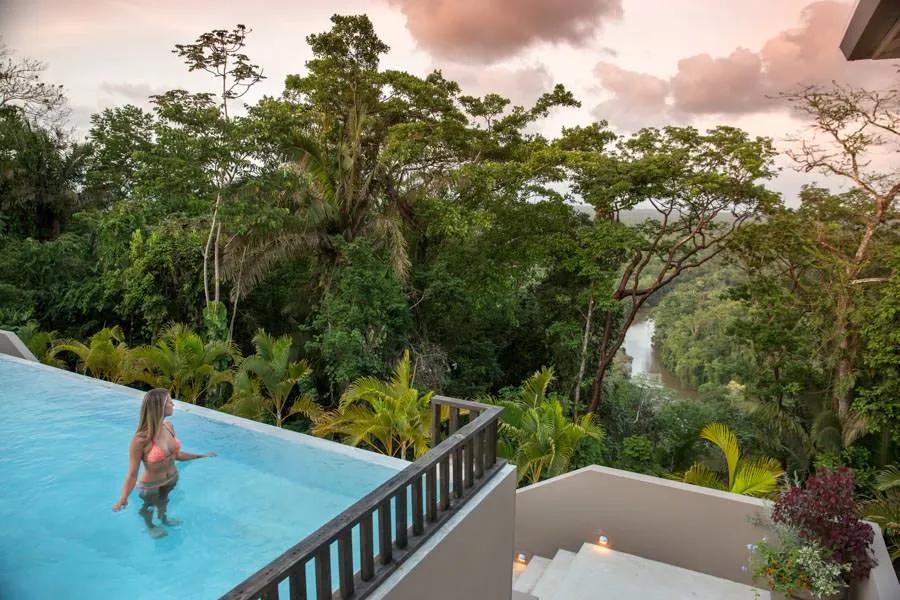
point(599, 573)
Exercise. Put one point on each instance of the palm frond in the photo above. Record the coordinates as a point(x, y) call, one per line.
point(534, 389)
point(722, 436)
point(700, 474)
point(888, 478)
point(757, 477)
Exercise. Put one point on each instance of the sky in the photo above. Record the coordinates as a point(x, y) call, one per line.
point(632, 63)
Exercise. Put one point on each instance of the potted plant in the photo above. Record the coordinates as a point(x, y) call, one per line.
point(798, 568)
point(822, 545)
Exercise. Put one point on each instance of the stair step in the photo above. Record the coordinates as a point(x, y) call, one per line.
point(527, 580)
point(623, 576)
point(552, 577)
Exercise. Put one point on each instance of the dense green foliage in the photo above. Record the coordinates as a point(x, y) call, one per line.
point(330, 257)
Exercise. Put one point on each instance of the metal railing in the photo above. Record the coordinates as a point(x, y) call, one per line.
point(409, 508)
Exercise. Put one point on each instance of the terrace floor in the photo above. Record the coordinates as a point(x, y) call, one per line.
point(600, 572)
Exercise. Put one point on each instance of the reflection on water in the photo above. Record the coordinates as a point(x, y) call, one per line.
point(644, 360)
point(639, 346)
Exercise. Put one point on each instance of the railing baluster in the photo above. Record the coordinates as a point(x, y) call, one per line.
point(445, 482)
point(477, 448)
point(417, 506)
point(435, 424)
point(402, 524)
point(385, 544)
point(470, 464)
point(297, 582)
point(457, 472)
point(431, 494)
point(366, 548)
point(271, 592)
point(323, 573)
point(492, 444)
point(345, 563)
point(454, 420)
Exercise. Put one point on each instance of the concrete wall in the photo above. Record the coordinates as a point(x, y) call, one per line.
point(11, 344)
point(882, 582)
point(688, 526)
point(470, 557)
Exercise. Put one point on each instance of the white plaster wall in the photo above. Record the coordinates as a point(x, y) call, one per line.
point(11, 344)
point(469, 558)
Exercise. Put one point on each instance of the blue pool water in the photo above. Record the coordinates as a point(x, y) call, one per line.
point(63, 457)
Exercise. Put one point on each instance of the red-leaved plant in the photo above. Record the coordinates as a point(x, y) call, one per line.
point(823, 510)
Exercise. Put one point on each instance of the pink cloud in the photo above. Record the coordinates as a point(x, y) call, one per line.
point(810, 53)
point(522, 86)
point(746, 81)
point(733, 84)
point(639, 99)
point(646, 91)
point(487, 30)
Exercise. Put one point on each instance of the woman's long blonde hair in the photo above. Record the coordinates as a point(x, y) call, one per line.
point(153, 411)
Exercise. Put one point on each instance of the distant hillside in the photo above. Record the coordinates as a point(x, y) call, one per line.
point(638, 215)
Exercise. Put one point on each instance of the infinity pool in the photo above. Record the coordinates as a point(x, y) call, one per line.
point(63, 457)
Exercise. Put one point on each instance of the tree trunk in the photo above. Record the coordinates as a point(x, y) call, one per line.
point(216, 261)
point(237, 295)
point(608, 351)
point(584, 344)
point(843, 361)
point(209, 241)
point(602, 364)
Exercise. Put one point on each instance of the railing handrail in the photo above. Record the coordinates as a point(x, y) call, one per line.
point(307, 549)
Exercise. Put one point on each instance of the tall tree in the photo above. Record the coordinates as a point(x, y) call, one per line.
point(702, 186)
point(23, 89)
point(40, 175)
point(219, 53)
point(850, 128)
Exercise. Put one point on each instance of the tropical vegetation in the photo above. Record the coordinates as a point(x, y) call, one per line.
point(391, 416)
point(536, 434)
point(327, 258)
point(753, 477)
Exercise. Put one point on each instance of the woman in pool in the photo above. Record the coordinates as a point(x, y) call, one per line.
point(154, 443)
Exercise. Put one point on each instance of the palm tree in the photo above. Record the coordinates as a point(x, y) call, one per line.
point(751, 477)
point(106, 356)
point(186, 365)
point(39, 342)
point(391, 417)
point(798, 432)
point(884, 508)
point(338, 200)
point(41, 176)
point(535, 433)
point(265, 381)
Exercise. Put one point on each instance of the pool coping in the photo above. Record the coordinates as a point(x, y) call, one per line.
point(287, 435)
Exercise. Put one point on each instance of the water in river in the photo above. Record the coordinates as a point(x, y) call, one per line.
point(645, 362)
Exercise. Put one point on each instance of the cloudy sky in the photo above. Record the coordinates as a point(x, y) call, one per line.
point(631, 62)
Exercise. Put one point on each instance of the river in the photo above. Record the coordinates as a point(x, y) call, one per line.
point(645, 361)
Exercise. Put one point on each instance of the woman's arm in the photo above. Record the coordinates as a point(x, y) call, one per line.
point(135, 451)
point(190, 456)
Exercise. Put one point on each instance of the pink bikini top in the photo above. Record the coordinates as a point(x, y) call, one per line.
point(156, 454)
